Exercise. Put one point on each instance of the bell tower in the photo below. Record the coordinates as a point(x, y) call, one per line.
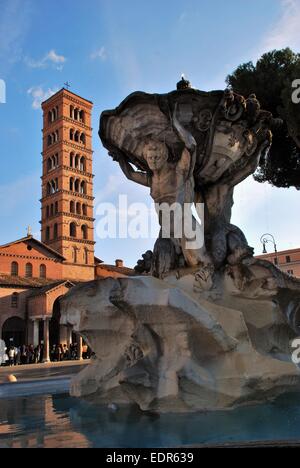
point(67, 224)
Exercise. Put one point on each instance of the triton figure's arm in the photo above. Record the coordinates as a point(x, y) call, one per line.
point(136, 176)
point(189, 153)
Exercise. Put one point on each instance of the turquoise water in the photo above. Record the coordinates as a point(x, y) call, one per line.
point(61, 421)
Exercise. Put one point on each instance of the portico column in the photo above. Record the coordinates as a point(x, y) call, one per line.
point(79, 347)
point(35, 332)
point(46, 341)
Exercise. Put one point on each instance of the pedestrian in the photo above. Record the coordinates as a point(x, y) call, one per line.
point(11, 356)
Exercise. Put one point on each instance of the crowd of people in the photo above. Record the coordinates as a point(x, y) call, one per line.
point(29, 354)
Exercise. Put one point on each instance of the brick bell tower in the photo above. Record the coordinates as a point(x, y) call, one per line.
point(67, 183)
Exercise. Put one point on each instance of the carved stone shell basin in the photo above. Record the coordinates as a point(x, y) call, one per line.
point(220, 141)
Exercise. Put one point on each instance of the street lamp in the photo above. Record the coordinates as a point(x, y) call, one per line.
point(265, 239)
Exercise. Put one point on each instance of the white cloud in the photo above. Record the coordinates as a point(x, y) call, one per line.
point(50, 59)
point(39, 95)
point(99, 54)
point(285, 32)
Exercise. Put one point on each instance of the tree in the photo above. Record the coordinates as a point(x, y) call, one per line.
point(271, 79)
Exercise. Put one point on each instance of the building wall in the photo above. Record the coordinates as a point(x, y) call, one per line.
point(6, 309)
point(288, 261)
point(19, 253)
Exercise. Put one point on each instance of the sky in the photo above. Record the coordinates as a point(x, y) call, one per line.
point(107, 49)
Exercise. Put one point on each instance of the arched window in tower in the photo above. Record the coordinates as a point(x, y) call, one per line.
point(82, 164)
point(71, 134)
point(71, 112)
point(49, 164)
point(75, 254)
point(75, 114)
point(28, 270)
point(73, 230)
point(72, 207)
point(71, 184)
point(47, 212)
point(86, 256)
point(47, 233)
point(55, 231)
point(72, 159)
point(82, 116)
point(82, 138)
point(52, 210)
point(83, 187)
point(56, 136)
point(84, 209)
point(77, 185)
point(49, 117)
point(77, 158)
point(84, 232)
point(78, 208)
point(56, 207)
point(77, 136)
point(48, 188)
point(56, 185)
point(14, 271)
point(15, 300)
point(43, 271)
point(49, 140)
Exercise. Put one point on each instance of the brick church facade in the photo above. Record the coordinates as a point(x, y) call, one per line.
point(35, 274)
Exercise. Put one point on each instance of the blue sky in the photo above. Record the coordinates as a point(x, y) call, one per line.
point(108, 48)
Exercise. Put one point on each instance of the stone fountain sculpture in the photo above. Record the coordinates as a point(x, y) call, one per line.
point(202, 328)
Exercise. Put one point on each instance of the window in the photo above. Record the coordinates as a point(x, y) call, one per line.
point(56, 207)
point(71, 134)
point(83, 187)
point(47, 233)
point(71, 184)
point(71, 159)
point(28, 270)
point(72, 207)
point(84, 232)
point(77, 185)
point(55, 231)
point(82, 164)
point(78, 208)
point(82, 138)
point(77, 161)
point(47, 212)
point(75, 254)
point(288, 259)
point(72, 230)
point(84, 210)
point(43, 271)
point(15, 300)
point(14, 269)
point(86, 256)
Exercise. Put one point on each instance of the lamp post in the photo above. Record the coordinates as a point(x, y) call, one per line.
point(269, 238)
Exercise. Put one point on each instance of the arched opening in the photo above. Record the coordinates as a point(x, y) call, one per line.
point(82, 164)
point(56, 207)
point(78, 208)
point(71, 112)
point(28, 270)
point(83, 187)
point(71, 184)
point(72, 207)
point(84, 209)
point(72, 159)
point(86, 256)
point(14, 269)
point(84, 232)
point(43, 271)
point(82, 116)
point(55, 231)
point(82, 138)
point(77, 161)
point(47, 233)
point(13, 332)
point(73, 230)
point(77, 185)
point(71, 134)
point(77, 136)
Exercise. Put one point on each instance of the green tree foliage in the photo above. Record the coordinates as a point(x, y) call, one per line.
point(271, 79)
